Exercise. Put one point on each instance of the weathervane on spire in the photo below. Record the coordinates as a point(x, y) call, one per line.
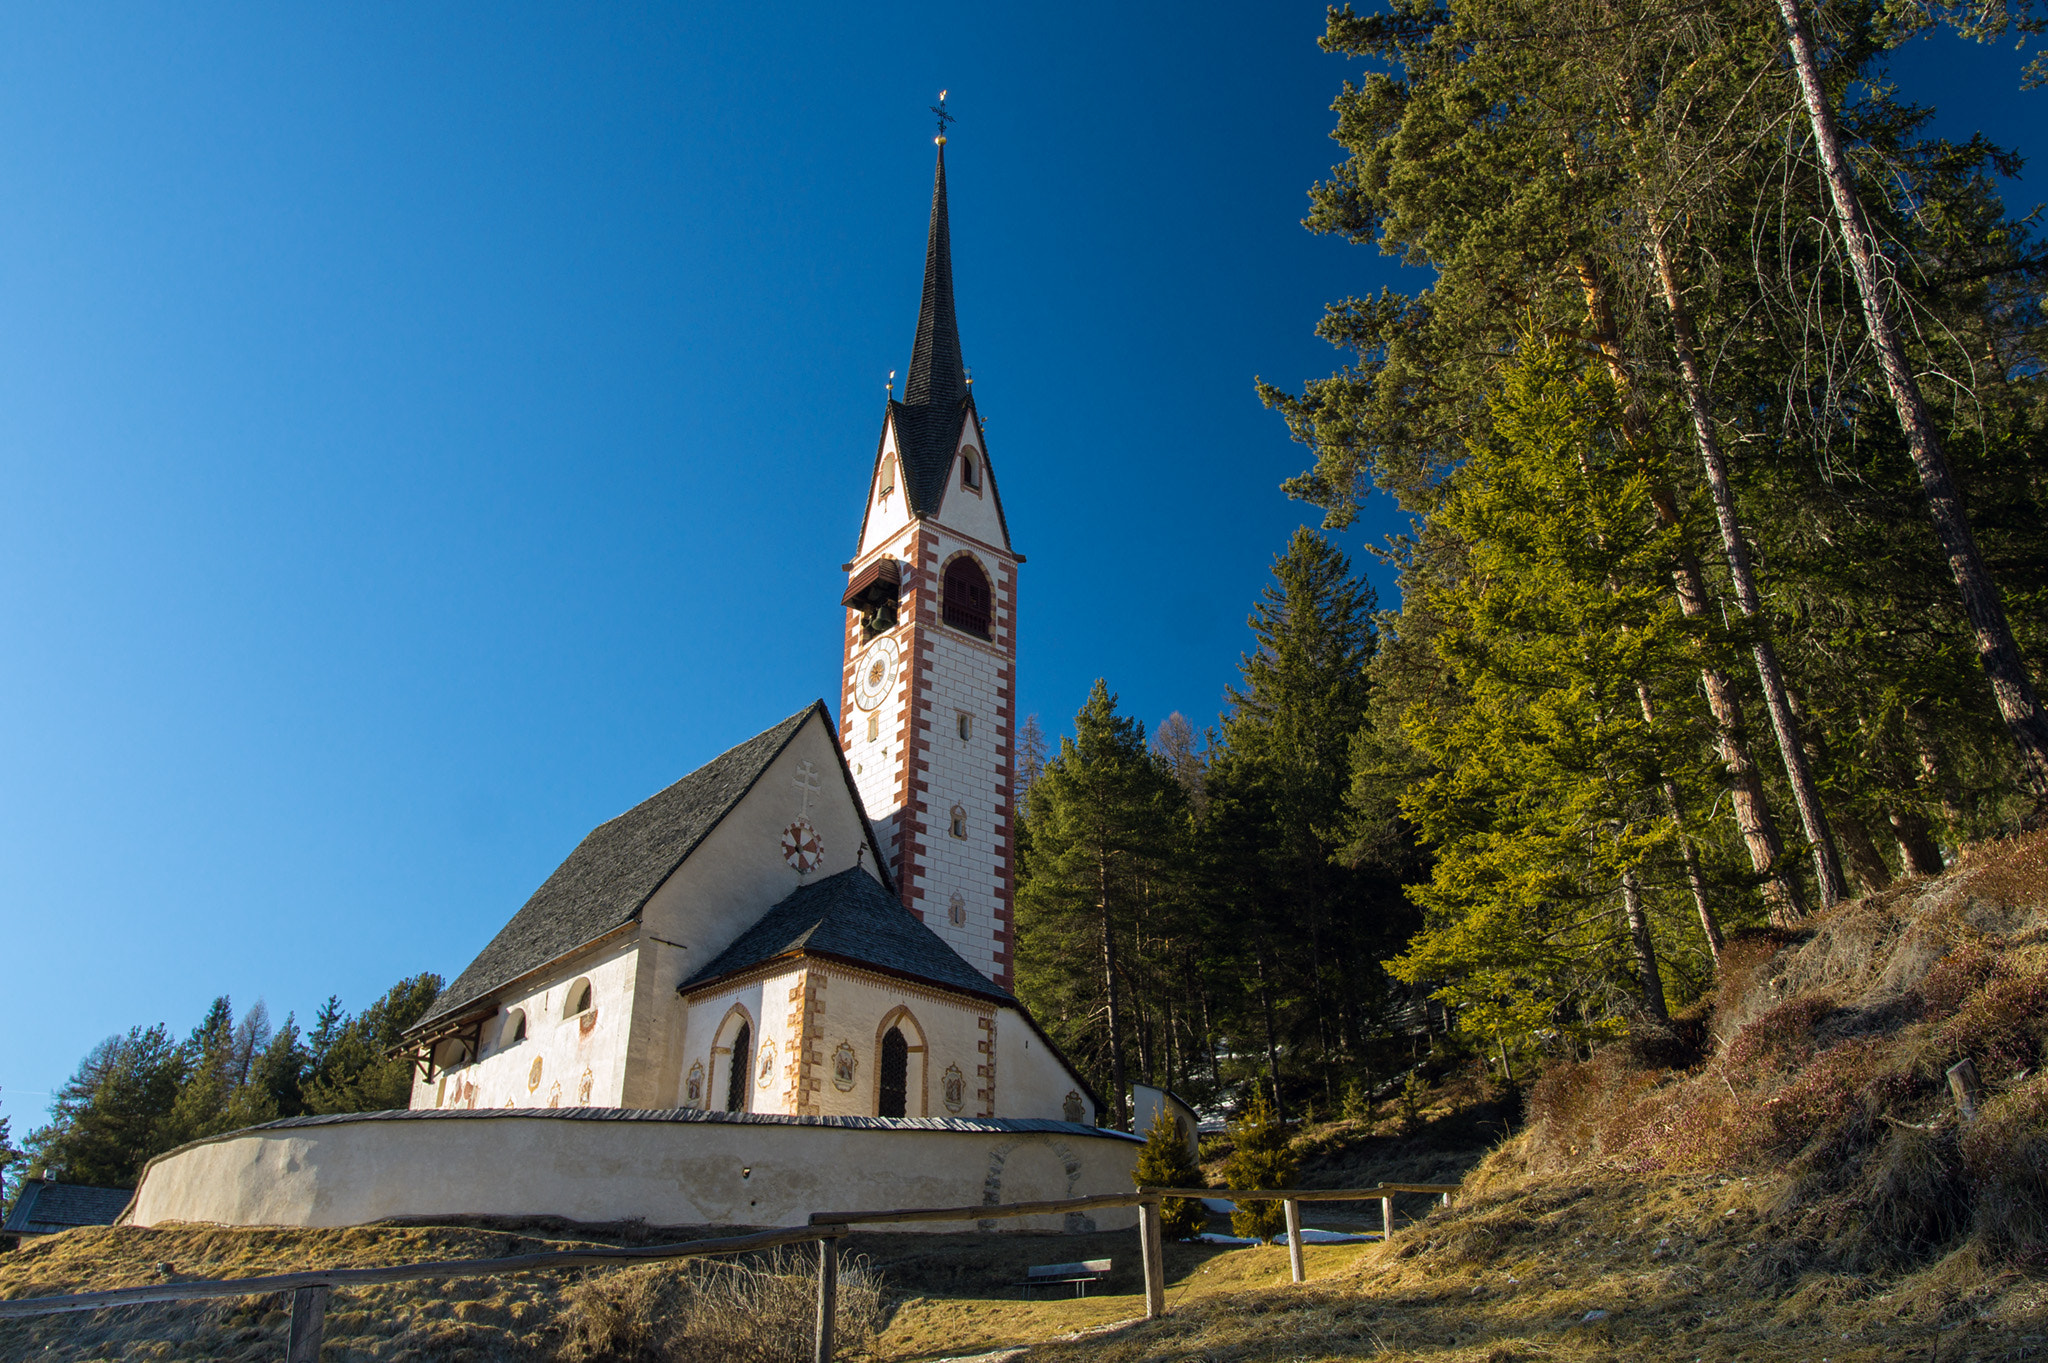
point(944, 118)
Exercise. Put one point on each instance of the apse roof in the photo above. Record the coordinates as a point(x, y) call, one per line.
point(850, 916)
point(615, 869)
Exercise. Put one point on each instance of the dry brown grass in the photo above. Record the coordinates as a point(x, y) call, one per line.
point(712, 1310)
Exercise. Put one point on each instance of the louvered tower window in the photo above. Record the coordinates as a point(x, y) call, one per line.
point(966, 595)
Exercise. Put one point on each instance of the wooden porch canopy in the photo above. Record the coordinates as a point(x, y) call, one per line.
point(877, 584)
point(466, 1028)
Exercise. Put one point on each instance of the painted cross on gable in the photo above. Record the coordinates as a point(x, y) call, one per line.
point(805, 780)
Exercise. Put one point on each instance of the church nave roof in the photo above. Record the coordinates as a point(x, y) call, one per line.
point(613, 872)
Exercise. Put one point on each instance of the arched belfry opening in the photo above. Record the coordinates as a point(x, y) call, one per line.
point(968, 603)
point(895, 1073)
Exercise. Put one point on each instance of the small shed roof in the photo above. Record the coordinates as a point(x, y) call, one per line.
point(45, 1207)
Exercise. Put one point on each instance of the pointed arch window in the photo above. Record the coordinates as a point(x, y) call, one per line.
point(741, 1067)
point(967, 600)
point(895, 1073)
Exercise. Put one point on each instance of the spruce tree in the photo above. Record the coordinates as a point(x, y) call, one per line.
point(1105, 821)
point(1259, 1158)
point(1548, 757)
point(1166, 1163)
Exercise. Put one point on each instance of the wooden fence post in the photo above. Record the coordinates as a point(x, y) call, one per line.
point(309, 1324)
point(1386, 1218)
point(828, 1298)
point(1294, 1264)
point(1153, 1250)
point(1964, 1084)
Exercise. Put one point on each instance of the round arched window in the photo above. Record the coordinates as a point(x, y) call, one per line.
point(967, 602)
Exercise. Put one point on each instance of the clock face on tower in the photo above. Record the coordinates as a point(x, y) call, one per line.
point(876, 675)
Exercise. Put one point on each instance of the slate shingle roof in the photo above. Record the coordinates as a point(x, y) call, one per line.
point(935, 402)
point(43, 1208)
point(927, 436)
point(852, 917)
point(612, 873)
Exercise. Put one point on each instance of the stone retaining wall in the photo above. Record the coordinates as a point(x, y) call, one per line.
point(675, 1168)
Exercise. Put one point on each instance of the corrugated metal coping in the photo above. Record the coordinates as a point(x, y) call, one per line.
point(687, 1115)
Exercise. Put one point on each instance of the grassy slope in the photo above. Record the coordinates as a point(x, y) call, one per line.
point(1805, 1191)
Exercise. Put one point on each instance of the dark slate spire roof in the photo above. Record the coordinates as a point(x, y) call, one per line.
point(850, 916)
point(935, 398)
point(618, 867)
point(937, 377)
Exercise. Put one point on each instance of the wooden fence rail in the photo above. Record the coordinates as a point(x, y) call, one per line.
point(310, 1289)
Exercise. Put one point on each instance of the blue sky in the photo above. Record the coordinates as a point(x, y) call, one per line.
point(427, 431)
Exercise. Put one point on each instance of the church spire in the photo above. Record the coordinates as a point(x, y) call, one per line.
point(937, 377)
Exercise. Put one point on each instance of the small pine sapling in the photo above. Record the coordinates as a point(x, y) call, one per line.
point(1414, 1097)
point(1166, 1163)
point(1260, 1159)
point(1357, 1101)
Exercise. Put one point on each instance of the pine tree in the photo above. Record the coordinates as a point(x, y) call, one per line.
point(1166, 1163)
point(1259, 1158)
point(1573, 708)
point(112, 1115)
point(1303, 923)
point(353, 1068)
point(1103, 828)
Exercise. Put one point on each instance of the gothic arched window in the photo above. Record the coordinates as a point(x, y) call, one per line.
point(966, 596)
point(970, 473)
point(895, 1073)
point(742, 1065)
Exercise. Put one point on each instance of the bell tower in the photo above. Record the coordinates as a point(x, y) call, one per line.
point(928, 706)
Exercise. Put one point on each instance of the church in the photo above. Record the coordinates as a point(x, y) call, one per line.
point(781, 985)
point(817, 922)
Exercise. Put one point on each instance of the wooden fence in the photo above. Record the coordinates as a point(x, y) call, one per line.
point(310, 1289)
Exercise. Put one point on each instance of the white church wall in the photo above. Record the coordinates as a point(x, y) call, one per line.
point(349, 1171)
point(775, 1021)
point(888, 512)
point(738, 874)
point(1035, 1082)
point(859, 1006)
point(967, 675)
point(564, 1060)
point(972, 511)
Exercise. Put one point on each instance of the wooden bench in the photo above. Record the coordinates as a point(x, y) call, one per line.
point(1079, 1274)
